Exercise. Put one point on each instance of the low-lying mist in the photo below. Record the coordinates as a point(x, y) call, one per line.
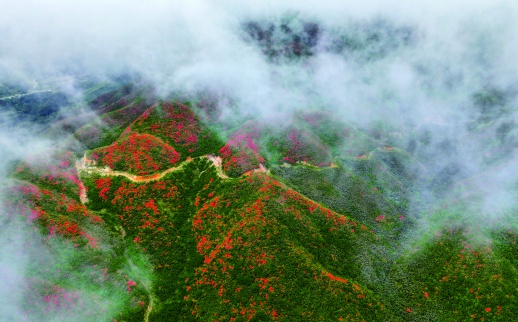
point(442, 75)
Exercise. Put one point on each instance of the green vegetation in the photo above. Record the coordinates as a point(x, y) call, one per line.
point(326, 233)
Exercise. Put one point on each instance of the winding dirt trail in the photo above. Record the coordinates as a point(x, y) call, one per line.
point(82, 192)
point(387, 149)
point(368, 156)
point(88, 166)
point(144, 283)
point(16, 96)
point(217, 163)
point(81, 166)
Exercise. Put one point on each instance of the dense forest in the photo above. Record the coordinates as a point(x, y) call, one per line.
point(165, 214)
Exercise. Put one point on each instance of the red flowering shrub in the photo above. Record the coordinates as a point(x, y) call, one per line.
point(241, 153)
point(239, 160)
point(54, 213)
point(103, 184)
point(239, 233)
point(177, 125)
point(55, 169)
point(137, 153)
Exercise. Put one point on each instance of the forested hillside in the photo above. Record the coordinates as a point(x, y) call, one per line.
point(164, 214)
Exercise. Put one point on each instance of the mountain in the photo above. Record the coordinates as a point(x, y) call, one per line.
point(155, 209)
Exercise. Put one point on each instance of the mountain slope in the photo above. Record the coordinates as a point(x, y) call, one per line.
point(310, 221)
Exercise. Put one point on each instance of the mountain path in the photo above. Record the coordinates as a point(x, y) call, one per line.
point(16, 96)
point(82, 167)
point(145, 284)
